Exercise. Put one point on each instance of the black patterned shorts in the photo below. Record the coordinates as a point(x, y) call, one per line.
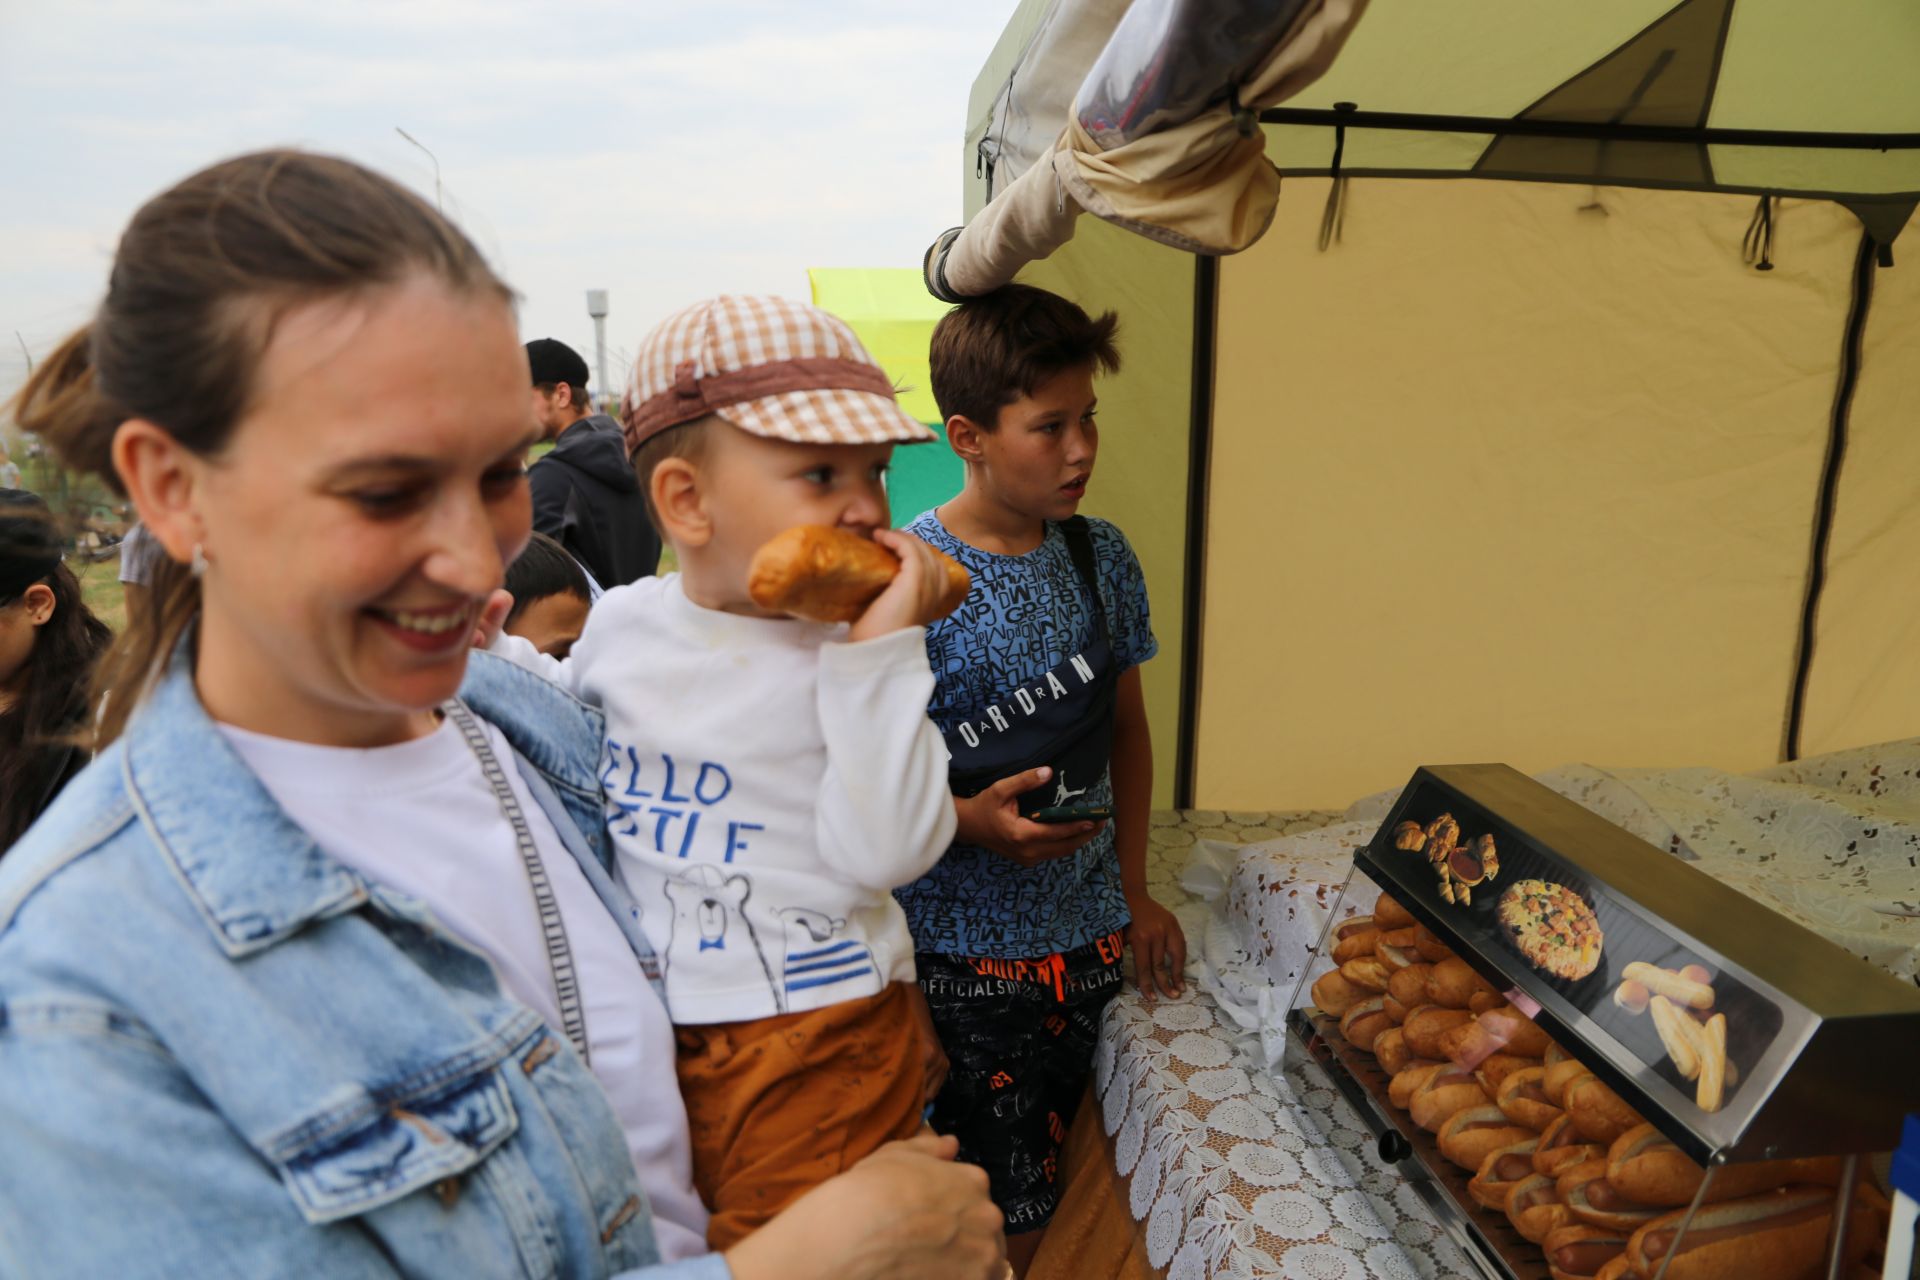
point(1019, 1037)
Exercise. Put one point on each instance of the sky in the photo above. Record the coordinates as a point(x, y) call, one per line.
point(662, 151)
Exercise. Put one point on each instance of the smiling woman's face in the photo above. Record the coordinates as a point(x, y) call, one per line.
point(361, 514)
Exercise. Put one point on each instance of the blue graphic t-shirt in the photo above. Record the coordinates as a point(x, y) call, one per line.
point(1026, 615)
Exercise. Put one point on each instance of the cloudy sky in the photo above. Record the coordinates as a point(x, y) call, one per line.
point(661, 150)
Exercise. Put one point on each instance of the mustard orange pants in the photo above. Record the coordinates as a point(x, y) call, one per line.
point(778, 1105)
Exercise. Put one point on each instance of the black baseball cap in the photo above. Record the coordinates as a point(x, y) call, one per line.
point(555, 361)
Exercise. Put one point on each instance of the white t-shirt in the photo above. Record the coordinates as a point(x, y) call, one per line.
point(768, 784)
point(419, 817)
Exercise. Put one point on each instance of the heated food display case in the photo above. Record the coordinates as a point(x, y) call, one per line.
point(1594, 1059)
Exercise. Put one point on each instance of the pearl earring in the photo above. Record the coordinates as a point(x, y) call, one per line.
point(199, 562)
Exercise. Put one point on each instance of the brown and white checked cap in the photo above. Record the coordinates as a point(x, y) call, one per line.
point(778, 369)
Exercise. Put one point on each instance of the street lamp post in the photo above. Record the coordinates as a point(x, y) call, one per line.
point(597, 308)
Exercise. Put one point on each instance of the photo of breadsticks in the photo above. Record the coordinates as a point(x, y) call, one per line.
point(1678, 1001)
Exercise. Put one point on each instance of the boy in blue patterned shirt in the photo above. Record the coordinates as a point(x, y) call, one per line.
point(1020, 928)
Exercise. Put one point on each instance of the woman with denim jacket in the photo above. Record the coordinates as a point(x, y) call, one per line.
point(234, 1041)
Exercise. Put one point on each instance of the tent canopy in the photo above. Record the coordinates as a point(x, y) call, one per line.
point(1538, 467)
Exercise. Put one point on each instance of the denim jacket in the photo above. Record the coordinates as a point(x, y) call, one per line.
point(223, 1053)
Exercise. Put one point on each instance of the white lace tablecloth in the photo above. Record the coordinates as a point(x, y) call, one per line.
point(1238, 1171)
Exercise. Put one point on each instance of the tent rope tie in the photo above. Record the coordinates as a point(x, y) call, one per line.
point(1245, 119)
point(1333, 219)
point(1757, 249)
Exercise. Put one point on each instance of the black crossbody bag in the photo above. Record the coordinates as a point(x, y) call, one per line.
point(1063, 719)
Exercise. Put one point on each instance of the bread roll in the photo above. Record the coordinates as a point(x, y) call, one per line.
point(1598, 1112)
point(1578, 1251)
point(1389, 914)
point(1500, 1171)
point(1453, 982)
point(1428, 944)
point(1561, 1147)
point(1401, 1088)
point(1334, 995)
point(1534, 1208)
point(1642, 1165)
point(1525, 1102)
point(1409, 985)
point(831, 575)
point(1427, 1024)
point(1365, 971)
point(1390, 1047)
point(1469, 1136)
point(1445, 1092)
point(1560, 1076)
point(1395, 1010)
point(1495, 1070)
point(1362, 1022)
point(1354, 938)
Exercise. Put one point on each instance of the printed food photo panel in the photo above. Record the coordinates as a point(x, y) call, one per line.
point(1682, 1022)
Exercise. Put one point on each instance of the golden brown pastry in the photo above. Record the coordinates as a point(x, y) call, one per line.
point(1362, 1022)
point(1395, 1010)
point(1334, 995)
point(1365, 971)
point(1500, 1171)
point(1390, 1047)
point(1409, 837)
point(1615, 1270)
point(1401, 1088)
point(1495, 1070)
point(1562, 1147)
point(1578, 1250)
point(1534, 1208)
point(1428, 944)
point(1598, 1112)
point(1426, 1024)
point(1559, 1078)
point(1525, 1102)
point(1394, 958)
point(830, 575)
point(1452, 983)
point(1389, 914)
point(1591, 1199)
point(1468, 1137)
point(1354, 938)
point(1481, 1001)
point(1447, 1091)
point(1409, 985)
point(1642, 1165)
point(1776, 1235)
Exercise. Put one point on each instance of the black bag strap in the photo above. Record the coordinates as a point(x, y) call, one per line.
point(1079, 536)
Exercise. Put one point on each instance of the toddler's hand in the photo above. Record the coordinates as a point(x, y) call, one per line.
point(913, 598)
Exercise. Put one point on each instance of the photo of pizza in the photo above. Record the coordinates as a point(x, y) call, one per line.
point(1552, 926)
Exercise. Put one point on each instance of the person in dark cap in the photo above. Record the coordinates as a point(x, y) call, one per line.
point(585, 496)
point(49, 642)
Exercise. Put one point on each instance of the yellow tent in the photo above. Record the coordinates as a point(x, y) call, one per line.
point(1609, 454)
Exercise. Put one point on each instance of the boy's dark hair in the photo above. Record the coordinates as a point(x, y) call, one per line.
point(544, 569)
point(991, 350)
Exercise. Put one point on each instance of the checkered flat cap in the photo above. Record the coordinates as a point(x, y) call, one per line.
point(771, 367)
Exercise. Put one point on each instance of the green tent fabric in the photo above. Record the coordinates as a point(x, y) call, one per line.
point(893, 317)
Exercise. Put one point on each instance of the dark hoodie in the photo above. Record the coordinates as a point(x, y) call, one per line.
point(586, 498)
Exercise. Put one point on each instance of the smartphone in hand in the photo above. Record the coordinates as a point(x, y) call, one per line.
point(1073, 813)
